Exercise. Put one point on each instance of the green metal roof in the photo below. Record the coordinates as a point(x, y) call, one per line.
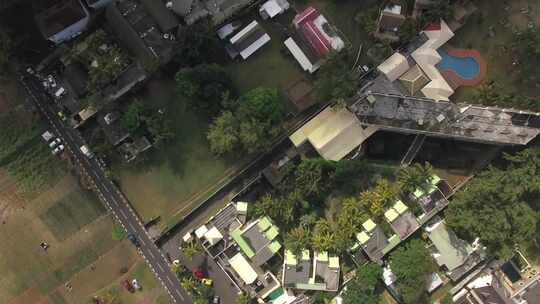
point(333, 262)
point(362, 237)
point(322, 256)
point(272, 232)
point(391, 215)
point(369, 225)
point(275, 246)
point(264, 223)
point(290, 258)
point(435, 179)
point(453, 251)
point(305, 255)
point(237, 237)
point(241, 207)
point(418, 193)
point(400, 207)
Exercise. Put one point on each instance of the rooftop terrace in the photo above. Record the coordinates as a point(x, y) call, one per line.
point(392, 111)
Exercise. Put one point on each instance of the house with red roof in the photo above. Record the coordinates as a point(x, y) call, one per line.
point(313, 39)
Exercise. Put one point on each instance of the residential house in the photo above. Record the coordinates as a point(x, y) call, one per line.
point(132, 147)
point(311, 271)
point(401, 220)
point(243, 249)
point(422, 56)
point(272, 8)
point(454, 255)
point(487, 288)
point(60, 20)
point(247, 41)
point(218, 10)
point(313, 39)
point(111, 125)
point(431, 197)
point(390, 20)
point(373, 241)
point(144, 28)
point(333, 133)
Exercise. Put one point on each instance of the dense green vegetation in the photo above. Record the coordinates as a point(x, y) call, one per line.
point(247, 124)
point(204, 87)
point(141, 118)
point(24, 155)
point(197, 43)
point(336, 79)
point(299, 204)
point(527, 47)
point(365, 287)
point(500, 206)
point(71, 213)
point(412, 264)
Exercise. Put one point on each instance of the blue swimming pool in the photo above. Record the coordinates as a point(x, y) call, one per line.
point(465, 67)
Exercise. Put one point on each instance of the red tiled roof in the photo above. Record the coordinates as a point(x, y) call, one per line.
point(433, 26)
point(304, 22)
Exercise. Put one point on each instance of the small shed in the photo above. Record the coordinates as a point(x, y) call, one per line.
point(272, 8)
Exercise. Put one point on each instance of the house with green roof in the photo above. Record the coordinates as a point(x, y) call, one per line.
point(258, 240)
point(311, 271)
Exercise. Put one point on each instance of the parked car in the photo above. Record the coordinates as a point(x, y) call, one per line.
point(207, 282)
point(134, 240)
point(127, 286)
point(58, 149)
point(136, 284)
point(54, 142)
point(216, 300)
point(198, 273)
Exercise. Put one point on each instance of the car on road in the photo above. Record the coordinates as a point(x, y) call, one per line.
point(86, 151)
point(58, 149)
point(207, 282)
point(134, 240)
point(216, 300)
point(54, 142)
point(62, 115)
point(127, 286)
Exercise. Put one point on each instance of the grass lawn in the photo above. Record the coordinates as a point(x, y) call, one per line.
point(180, 174)
point(496, 50)
point(28, 272)
point(70, 214)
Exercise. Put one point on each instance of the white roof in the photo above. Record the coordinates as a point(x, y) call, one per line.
point(201, 231)
point(271, 8)
point(394, 66)
point(213, 236)
point(243, 268)
point(333, 133)
point(388, 276)
point(394, 9)
point(264, 39)
point(300, 56)
point(246, 30)
point(47, 135)
point(427, 58)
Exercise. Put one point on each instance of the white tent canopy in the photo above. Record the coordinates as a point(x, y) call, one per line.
point(243, 268)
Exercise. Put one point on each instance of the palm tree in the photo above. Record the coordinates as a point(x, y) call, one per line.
point(189, 284)
point(297, 240)
point(192, 249)
point(411, 178)
point(244, 299)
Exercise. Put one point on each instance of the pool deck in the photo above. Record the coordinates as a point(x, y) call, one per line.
point(454, 79)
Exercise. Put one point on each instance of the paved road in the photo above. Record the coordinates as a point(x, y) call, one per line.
point(107, 191)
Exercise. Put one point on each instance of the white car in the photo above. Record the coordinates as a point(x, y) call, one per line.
point(55, 142)
point(136, 284)
point(58, 149)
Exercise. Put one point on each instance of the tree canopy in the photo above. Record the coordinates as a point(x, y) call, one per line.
point(413, 177)
point(254, 120)
point(363, 288)
point(197, 43)
point(412, 264)
point(527, 46)
point(500, 206)
point(379, 198)
point(336, 77)
point(204, 87)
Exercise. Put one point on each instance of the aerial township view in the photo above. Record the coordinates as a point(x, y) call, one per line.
point(269, 151)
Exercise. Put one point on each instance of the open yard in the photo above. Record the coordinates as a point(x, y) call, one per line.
point(496, 49)
point(179, 174)
point(71, 213)
point(79, 234)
